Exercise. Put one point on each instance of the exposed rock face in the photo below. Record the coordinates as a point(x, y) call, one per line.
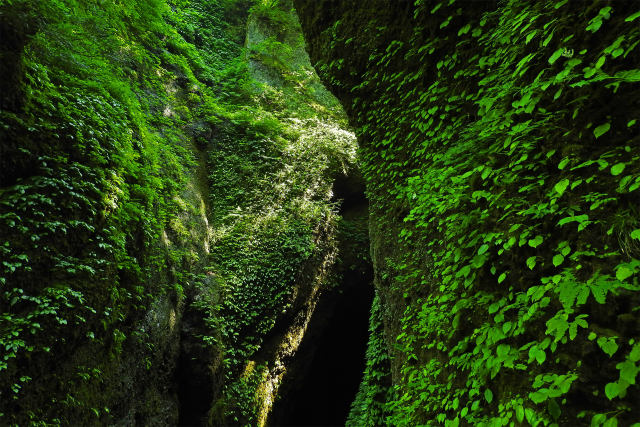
point(499, 144)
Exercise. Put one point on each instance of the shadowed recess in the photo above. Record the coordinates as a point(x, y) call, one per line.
point(321, 384)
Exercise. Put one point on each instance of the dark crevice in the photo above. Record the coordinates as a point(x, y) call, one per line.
point(350, 190)
point(194, 378)
point(322, 381)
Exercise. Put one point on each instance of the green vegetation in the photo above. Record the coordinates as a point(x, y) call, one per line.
point(368, 408)
point(170, 159)
point(91, 173)
point(144, 165)
point(500, 152)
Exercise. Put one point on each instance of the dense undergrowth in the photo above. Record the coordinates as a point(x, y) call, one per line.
point(500, 148)
point(143, 162)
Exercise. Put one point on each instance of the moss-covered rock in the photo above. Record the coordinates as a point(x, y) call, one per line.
point(499, 144)
point(160, 201)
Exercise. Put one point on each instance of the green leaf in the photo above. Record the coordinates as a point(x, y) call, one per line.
point(594, 25)
point(502, 277)
point(520, 413)
point(611, 390)
point(598, 419)
point(604, 12)
point(561, 186)
point(488, 394)
point(484, 248)
point(531, 262)
point(608, 345)
point(563, 163)
point(628, 371)
point(531, 35)
point(635, 234)
point(631, 18)
point(601, 130)
point(537, 241)
point(634, 355)
point(464, 30)
point(557, 260)
point(617, 169)
point(557, 54)
point(611, 422)
point(538, 397)
point(506, 328)
point(623, 273)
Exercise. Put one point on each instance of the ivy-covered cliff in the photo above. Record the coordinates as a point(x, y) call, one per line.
point(500, 146)
point(182, 211)
point(167, 220)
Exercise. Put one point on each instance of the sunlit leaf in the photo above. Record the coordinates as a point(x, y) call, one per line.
point(601, 130)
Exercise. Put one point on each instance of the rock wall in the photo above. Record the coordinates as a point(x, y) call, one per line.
point(166, 212)
point(499, 144)
point(102, 215)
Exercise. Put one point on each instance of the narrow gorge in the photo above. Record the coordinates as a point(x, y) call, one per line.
point(319, 213)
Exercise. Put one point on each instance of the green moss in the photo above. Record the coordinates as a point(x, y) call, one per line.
point(95, 156)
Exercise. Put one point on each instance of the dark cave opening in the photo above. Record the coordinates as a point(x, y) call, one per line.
point(194, 378)
point(322, 382)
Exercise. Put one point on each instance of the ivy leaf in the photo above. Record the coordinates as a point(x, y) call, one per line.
point(538, 397)
point(573, 328)
point(538, 354)
point(598, 419)
point(611, 390)
point(623, 273)
point(608, 345)
point(562, 185)
point(520, 413)
point(464, 30)
point(601, 130)
point(488, 394)
point(631, 18)
point(563, 163)
point(617, 169)
point(557, 260)
point(531, 262)
point(628, 371)
point(537, 241)
point(634, 355)
point(506, 328)
point(554, 57)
